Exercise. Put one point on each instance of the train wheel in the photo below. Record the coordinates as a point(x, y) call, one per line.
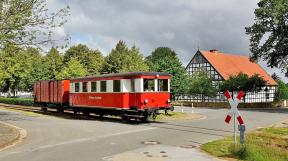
point(86, 112)
point(60, 110)
point(101, 115)
point(145, 117)
point(44, 109)
point(125, 118)
point(75, 111)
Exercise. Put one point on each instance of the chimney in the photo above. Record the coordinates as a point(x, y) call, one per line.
point(214, 50)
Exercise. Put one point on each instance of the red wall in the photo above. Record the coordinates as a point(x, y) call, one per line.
point(120, 100)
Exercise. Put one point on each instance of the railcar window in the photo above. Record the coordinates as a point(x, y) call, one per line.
point(149, 85)
point(116, 85)
point(93, 86)
point(85, 87)
point(103, 86)
point(163, 85)
point(77, 87)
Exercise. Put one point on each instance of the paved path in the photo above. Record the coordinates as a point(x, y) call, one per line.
point(51, 138)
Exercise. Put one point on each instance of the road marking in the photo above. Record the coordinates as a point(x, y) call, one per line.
point(93, 139)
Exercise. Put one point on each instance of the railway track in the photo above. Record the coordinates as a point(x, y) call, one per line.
point(68, 114)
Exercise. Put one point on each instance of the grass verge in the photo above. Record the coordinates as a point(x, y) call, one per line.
point(17, 101)
point(179, 116)
point(266, 144)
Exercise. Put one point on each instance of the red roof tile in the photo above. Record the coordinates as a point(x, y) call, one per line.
point(230, 64)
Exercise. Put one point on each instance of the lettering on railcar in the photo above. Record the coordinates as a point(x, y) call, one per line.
point(94, 98)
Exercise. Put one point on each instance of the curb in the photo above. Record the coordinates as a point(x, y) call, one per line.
point(22, 134)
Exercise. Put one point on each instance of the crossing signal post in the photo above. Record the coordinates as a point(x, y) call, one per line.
point(233, 112)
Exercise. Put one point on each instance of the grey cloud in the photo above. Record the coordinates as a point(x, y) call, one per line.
point(183, 25)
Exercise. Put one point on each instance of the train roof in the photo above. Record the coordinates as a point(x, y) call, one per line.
point(128, 74)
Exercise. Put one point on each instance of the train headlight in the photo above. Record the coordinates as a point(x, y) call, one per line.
point(145, 101)
point(168, 101)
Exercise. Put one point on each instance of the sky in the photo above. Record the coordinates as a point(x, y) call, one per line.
point(182, 25)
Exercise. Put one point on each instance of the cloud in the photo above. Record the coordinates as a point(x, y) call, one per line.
point(183, 25)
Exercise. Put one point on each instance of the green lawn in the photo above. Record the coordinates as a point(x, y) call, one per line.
point(267, 144)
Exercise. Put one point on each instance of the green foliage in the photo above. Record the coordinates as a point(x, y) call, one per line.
point(201, 83)
point(268, 34)
point(17, 67)
point(17, 101)
point(92, 60)
point(243, 82)
point(28, 22)
point(263, 145)
point(123, 59)
point(53, 63)
point(73, 69)
point(281, 91)
point(163, 59)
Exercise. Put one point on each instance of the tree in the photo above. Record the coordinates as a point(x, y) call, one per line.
point(53, 63)
point(275, 77)
point(201, 84)
point(92, 60)
point(281, 91)
point(243, 82)
point(163, 59)
point(16, 67)
point(36, 69)
point(28, 23)
point(123, 59)
point(268, 34)
point(73, 69)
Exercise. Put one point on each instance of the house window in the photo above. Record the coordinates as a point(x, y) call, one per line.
point(103, 85)
point(85, 87)
point(93, 86)
point(163, 85)
point(77, 87)
point(116, 86)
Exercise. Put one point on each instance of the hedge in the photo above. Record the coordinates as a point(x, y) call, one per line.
point(226, 104)
point(17, 101)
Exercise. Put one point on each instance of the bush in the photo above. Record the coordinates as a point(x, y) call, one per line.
point(17, 101)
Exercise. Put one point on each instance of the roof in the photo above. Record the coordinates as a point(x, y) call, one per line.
point(231, 64)
point(128, 74)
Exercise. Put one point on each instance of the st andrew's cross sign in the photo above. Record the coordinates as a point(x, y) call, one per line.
point(234, 103)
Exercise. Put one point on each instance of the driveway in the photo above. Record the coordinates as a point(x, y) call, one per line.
point(59, 139)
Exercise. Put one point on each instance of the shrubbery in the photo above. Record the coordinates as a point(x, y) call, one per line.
point(17, 101)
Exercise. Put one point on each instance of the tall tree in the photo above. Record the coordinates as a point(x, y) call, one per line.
point(53, 62)
point(268, 34)
point(92, 60)
point(36, 70)
point(123, 59)
point(28, 23)
point(17, 67)
point(163, 59)
point(73, 69)
point(201, 84)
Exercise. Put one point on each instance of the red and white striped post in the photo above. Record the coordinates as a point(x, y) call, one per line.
point(234, 111)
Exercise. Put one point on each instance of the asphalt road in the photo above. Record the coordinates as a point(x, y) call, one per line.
point(58, 139)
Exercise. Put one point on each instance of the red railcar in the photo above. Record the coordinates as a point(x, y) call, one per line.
point(135, 94)
point(52, 92)
point(129, 95)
